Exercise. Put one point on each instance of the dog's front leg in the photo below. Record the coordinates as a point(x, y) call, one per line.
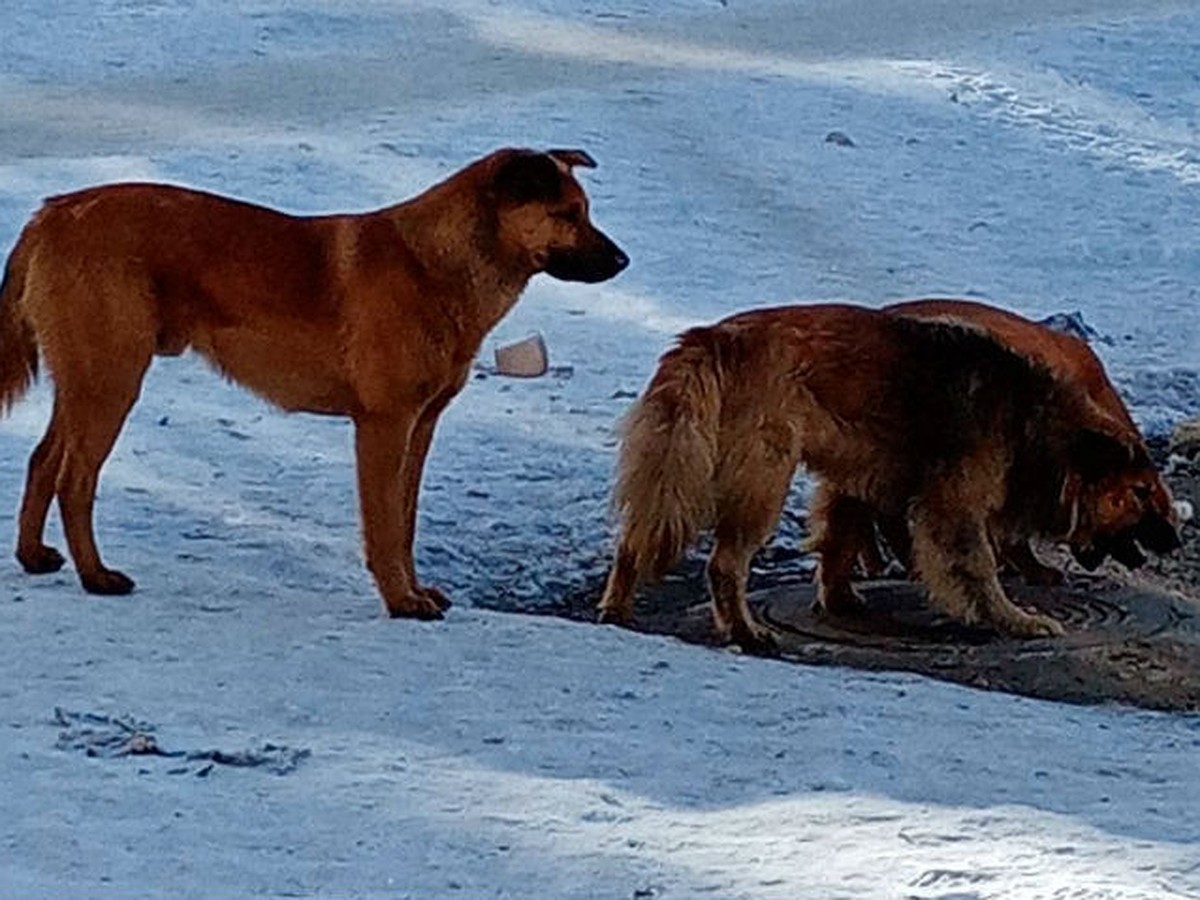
point(954, 558)
point(842, 530)
point(388, 449)
point(411, 469)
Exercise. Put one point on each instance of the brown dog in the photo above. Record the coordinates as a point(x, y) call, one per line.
point(375, 316)
point(932, 424)
point(1070, 359)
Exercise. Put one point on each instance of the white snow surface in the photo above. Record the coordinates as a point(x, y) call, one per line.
point(1042, 155)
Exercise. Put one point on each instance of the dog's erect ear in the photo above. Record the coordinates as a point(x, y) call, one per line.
point(528, 178)
point(572, 158)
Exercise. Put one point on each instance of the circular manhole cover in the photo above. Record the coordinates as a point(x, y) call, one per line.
point(1128, 643)
point(899, 617)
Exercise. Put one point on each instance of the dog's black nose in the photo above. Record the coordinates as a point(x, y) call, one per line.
point(620, 260)
point(1156, 533)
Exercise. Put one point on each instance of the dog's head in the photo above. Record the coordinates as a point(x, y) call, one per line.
point(542, 216)
point(1118, 502)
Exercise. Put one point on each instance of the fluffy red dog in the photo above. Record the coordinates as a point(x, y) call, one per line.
point(1070, 359)
point(932, 424)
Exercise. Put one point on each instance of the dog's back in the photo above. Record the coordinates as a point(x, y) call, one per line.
point(864, 392)
point(1065, 354)
point(843, 389)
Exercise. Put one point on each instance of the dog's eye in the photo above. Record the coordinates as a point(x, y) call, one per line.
point(571, 214)
point(1142, 491)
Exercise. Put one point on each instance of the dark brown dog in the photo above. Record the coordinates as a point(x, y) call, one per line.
point(1068, 358)
point(375, 316)
point(932, 424)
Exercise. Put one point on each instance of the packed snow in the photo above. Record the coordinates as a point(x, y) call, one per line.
point(1041, 155)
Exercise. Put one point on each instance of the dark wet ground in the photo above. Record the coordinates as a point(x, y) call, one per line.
point(1132, 637)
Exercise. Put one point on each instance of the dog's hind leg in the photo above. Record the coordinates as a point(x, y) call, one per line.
point(750, 500)
point(842, 528)
point(33, 554)
point(90, 421)
point(616, 606)
point(728, 570)
point(953, 555)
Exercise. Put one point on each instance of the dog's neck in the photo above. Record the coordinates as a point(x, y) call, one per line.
point(1041, 468)
point(456, 240)
point(1035, 489)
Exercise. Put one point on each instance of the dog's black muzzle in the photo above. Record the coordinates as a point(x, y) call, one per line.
point(1151, 532)
point(1156, 533)
point(599, 260)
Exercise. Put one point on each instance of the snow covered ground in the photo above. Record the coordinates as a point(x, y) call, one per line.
point(1044, 155)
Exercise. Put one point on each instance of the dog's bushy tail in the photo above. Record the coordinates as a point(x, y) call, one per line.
point(18, 343)
point(665, 478)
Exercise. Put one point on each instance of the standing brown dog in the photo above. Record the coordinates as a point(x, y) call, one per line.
point(375, 316)
point(928, 423)
point(1070, 359)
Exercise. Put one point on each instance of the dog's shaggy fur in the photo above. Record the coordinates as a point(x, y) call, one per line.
point(932, 424)
point(376, 316)
point(1070, 359)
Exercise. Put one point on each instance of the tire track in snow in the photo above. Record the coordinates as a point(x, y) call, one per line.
point(1078, 117)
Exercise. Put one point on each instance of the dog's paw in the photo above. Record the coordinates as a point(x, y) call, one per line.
point(756, 640)
point(436, 596)
point(1048, 627)
point(416, 606)
point(107, 581)
point(1031, 625)
point(610, 615)
point(41, 560)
